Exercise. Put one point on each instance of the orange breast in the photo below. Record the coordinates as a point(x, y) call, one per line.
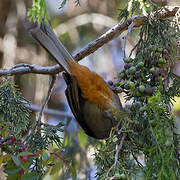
point(92, 85)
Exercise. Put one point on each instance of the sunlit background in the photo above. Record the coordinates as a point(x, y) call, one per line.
point(76, 26)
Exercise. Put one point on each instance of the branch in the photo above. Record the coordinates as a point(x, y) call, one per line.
point(48, 111)
point(115, 31)
point(31, 68)
point(119, 147)
point(91, 47)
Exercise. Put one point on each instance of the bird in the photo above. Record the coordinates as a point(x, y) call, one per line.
point(91, 100)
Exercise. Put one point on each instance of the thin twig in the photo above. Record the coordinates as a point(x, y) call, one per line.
point(61, 158)
point(117, 154)
point(47, 99)
point(48, 111)
point(137, 160)
point(38, 124)
point(140, 39)
point(125, 38)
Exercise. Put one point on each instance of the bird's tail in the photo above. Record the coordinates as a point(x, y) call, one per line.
point(47, 38)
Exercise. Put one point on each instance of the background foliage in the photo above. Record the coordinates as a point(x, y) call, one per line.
point(148, 146)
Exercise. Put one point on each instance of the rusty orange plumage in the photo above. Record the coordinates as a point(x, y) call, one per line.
point(91, 100)
point(93, 87)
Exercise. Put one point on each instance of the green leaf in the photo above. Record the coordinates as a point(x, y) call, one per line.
point(6, 158)
point(16, 160)
point(1, 160)
point(13, 176)
point(83, 138)
point(13, 110)
point(66, 140)
point(56, 168)
point(26, 165)
point(73, 171)
point(30, 176)
point(12, 170)
point(45, 156)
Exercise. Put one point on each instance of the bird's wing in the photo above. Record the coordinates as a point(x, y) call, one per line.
point(73, 95)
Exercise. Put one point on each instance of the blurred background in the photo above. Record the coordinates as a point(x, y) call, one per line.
point(75, 26)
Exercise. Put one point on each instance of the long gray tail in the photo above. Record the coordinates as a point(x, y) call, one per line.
point(47, 38)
